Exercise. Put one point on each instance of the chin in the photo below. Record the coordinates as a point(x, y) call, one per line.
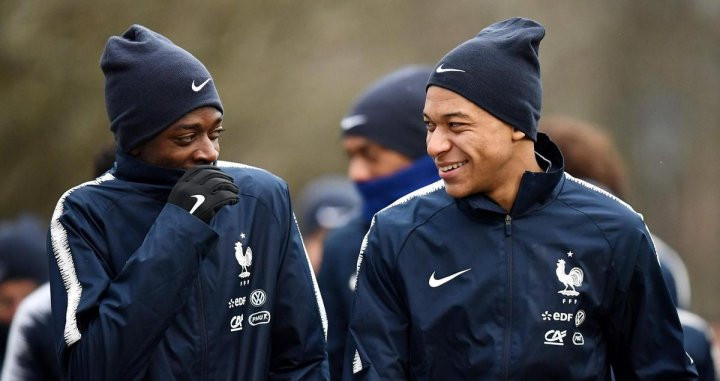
point(456, 191)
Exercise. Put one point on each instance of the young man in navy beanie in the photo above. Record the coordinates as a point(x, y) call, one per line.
point(508, 268)
point(174, 265)
point(384, 137)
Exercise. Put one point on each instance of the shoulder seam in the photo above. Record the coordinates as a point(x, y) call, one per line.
point(602, 192)
point(430, 188)
point(230, 164)
point(417, 226)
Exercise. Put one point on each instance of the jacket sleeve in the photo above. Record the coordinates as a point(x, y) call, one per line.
point(106, 327)
point(377, 342)
point(645, 338)
point(299, 327)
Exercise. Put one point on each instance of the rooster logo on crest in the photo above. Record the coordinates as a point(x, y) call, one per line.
point(570, 280)
point(244, 259)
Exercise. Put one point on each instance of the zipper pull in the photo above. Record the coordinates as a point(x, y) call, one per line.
point(508, 225)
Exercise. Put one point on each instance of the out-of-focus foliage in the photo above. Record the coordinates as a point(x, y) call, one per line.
point(287, 71)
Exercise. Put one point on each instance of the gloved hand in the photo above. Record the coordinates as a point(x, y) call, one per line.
point(203, 190)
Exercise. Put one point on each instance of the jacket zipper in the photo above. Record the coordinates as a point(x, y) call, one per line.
point(508, 300)
point(203, 332)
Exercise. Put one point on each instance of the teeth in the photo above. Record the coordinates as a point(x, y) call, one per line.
point(452, 166)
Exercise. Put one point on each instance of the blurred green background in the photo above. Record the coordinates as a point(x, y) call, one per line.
point(287, 71)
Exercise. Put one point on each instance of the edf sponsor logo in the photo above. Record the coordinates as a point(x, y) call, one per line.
point(557, 316)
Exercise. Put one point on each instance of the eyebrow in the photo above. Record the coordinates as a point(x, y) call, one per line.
point(195, 126)
point(458, 114)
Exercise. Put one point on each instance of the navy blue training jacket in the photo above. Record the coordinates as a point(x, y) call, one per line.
point(562, 288)
point(143, 290)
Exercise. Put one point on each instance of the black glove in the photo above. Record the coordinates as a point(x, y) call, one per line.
point(203, 190)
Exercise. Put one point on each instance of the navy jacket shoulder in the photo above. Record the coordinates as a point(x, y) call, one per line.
point(611, 215)
point(256, 182)
point(617, 222)
point(406, 214)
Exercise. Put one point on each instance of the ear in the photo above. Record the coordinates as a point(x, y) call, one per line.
point(517, 135)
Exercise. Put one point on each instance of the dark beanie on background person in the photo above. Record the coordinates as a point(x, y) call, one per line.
point(499, 71)
point(22, 250)
point(389, 112)
point(327, 202)
point(149, 84)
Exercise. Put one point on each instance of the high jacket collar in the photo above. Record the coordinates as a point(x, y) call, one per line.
point(536, 189)
point(131, 169)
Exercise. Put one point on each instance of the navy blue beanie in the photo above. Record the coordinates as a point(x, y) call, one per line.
point(499, 71)
point(22, 250)
point(149, 84)
point(389, 112)
point(327, 202)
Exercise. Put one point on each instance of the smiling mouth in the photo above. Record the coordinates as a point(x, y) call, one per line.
point(450, 167)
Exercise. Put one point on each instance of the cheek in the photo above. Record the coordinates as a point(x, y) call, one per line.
point(171, 158)
point(379, 168)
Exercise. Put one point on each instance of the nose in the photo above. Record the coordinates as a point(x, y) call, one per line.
point(358, 170)
point(207, 151)
point(437, 142)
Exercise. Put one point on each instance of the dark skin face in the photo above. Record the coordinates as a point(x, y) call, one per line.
point(369, 160)
point(474, 151)
point(192, 140)
point(12, 292)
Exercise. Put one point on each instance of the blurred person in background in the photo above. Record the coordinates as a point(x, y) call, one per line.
point(384, 137)
point(30, 354)
point(591, 154)
point(324, 204)
point(173, 264)
point(23, 268)
point(698, 335)
point(509, 268)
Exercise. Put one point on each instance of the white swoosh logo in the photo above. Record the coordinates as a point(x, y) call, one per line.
point(441, 70)
point(198, 88)
point(439, 282)
point(352, 121)
point(200, 199)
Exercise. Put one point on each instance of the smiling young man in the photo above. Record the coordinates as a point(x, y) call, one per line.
point(508, 268)
point(172, 265)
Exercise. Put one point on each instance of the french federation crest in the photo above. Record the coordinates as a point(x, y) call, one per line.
point(572, 279)
point(244, 259)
